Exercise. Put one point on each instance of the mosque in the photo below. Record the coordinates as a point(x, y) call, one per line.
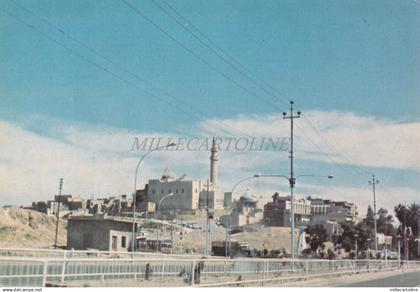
point(183, 193)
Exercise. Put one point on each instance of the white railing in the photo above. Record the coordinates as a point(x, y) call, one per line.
point(61, 253)
point(172, 271)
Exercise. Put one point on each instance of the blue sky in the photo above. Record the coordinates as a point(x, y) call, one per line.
point(359, 57)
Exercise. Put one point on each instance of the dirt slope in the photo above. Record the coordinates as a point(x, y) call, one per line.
point(26, 228)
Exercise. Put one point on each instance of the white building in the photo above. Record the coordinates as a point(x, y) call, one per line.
point(188, 194)
point(245, 212)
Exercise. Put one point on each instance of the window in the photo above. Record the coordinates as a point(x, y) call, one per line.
point(182, 190)
point(176, 191)
point(169, 191)
point(153, 191)
point(114, 242)
point(123, 241)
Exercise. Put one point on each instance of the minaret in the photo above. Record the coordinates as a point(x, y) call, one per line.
point(213, 162)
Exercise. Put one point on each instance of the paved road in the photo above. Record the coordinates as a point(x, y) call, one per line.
point(410, 279)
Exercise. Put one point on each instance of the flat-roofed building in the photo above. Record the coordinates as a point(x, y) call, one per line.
point(277, 213)
point(99, 232)
point(186, 192)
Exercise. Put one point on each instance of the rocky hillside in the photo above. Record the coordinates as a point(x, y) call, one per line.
point(26, 228)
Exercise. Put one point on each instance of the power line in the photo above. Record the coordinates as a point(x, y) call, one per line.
point(351, 164)
point(225, 57)
point(135, 75)
point(98, 66)
point(179, 43)
point(221, 56)
point(226, 54)
point(327, 156)
point(106, 59)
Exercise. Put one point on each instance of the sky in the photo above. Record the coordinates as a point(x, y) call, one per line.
point(81, 79)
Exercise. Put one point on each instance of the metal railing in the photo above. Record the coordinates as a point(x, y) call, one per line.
point(172, 271)
point(61, 253)
point(40, 267)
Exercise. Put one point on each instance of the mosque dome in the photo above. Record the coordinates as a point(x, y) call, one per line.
point(167, 174)
point(248, 197)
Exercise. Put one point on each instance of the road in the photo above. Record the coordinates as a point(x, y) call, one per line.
point(409, 279)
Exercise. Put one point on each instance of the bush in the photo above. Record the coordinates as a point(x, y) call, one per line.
point(330, 254)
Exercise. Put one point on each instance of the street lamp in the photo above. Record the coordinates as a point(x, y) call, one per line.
point(399, 250)
point(134, 239)
point(418, 233)
point(229, 223)
point(373, 183)
point(244, 179)
point(355, 241)
point(161, 200)
point(292, 182)
point(157, 209)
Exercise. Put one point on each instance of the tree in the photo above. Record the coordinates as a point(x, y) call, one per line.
point(409, 218)
point(370, 220)
point(364, 231)
point(352, 233)
point(385, 222)
point(347, 238)
point(317, 236)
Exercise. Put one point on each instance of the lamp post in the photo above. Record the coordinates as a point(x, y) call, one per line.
point(134, 239)
point(355, 241)
point(58, 213)
point(399, 250)
point(157, 209)
point(161, 200)
point(291, 180)
point(229, 223)
point(418, 233)
point(368, 247)
point(373, 183)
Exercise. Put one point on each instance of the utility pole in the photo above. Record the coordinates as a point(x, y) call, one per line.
point(373, 183)
point(58, 212)
point(207, 219)
point(292, 179)
point(418, 233)
point(228, 229)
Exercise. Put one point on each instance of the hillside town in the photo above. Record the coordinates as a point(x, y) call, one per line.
point(169, 208)
point(197, 143)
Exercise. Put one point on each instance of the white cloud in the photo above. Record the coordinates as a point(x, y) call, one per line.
point(96, 160)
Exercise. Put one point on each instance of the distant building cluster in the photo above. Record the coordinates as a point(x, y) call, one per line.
point(330, 214)
point(245, 211)
point(277, 213)
point(71, 205)
point(168, 195)
point(104, 223)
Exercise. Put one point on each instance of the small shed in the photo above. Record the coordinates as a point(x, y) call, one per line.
point(101, 232)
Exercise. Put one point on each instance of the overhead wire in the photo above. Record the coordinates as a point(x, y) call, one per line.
point(119, 66)
point(222, 55)
point(191, 52)
point(197, 56)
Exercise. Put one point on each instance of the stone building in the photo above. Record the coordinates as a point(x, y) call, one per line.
point(245, 211)
point(277, 213)
point(99, 232)
point(188, 194)
point(327, 210)
point(69, 205)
